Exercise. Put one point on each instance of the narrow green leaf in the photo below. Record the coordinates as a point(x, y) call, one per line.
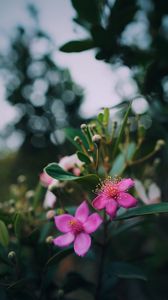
point(106, 116)
point(120, 161)
point(18, 225)
point(39, 195)
point(77, 46)
point(126, 270)
point(4, 235)
point(144, 210)
point(83, 157)
point(121, 130)
point(100, 117)
point(58, 257)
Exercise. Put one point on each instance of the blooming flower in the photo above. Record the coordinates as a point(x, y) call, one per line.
point(77, 229)
point(113, 194)
point(151, 196)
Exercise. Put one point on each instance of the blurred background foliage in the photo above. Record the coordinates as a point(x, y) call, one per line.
point(47, 98)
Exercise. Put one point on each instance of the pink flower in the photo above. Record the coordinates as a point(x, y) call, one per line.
point(113, 194)
point(45, 179)
point(77, 229)
point(71, 163)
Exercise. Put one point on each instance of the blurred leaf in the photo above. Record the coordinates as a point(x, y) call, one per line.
point(126, 270)
point(120, 161)
point(77, 46)
point(4, 235)
point(75, 281)
point(106, 116)
point(83, 157)
point(18, 225)
point(40, 192)
point(121, 130)
point(87, 10)
point(144, 210)
point(126, 226)
point(58, 257)
point(100, 117)
point(55, 171)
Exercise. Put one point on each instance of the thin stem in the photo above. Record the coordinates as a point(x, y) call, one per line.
point(102, 259)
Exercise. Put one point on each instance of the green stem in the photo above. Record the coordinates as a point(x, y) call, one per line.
point(102, 259)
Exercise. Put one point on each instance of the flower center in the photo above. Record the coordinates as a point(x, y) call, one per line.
point(110, 190)
point(76, 226)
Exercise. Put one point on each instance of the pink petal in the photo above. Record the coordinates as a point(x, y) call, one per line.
point(99, 202)
point(125, 184)
point(111, 208)
point(82, 243)
point(126, 200)
point(64, 240)
point(82, 212)
point(92, 223)
point(49, 200)
point(62, 222)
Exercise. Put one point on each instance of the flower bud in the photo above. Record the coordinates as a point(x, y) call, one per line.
point(49, 239)
point(83, 126)
point(96, 138)
point(77, 140)
point(21, 179)
point(11, 255)
point(29, 194)
point(159, 145)
point(50, 214)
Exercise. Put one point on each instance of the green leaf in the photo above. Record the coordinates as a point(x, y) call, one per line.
point(119, 163)
point(125, 270)
point(55, 171)
point(18, 224)
point(83, 157)
point(106, 116)
point(87, 10)
point(77, 46)
point(121, 130)
point(58, 257)
point(144, 210)
point(100, 117)
point(4, 235)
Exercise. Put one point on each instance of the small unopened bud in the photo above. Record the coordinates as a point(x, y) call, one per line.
point(83, 126)
point(11, 255)
point(159, 145)
point(11, 202)
point(77, 139)
point(11, 210)
point(50, 214)
point(96, 138)
point(92, 126)
point(49, 239)
point(21, 179)
point(29, 194)
point(30, 209)
point(10, 226)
